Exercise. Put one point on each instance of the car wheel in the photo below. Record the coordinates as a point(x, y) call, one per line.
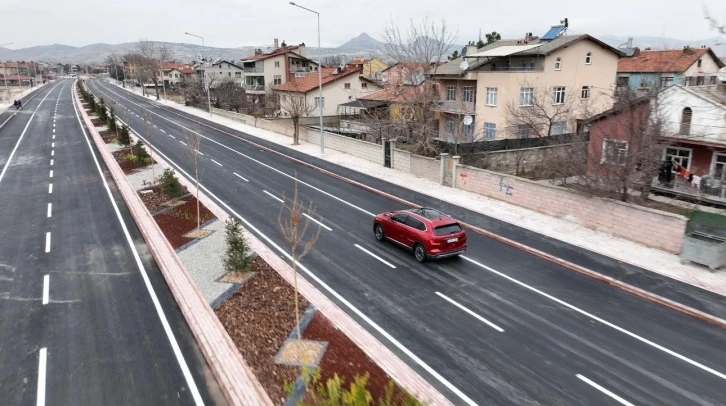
point(378, 231)
point(419, 252)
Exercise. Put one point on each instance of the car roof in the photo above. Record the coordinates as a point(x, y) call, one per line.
point(430, 215)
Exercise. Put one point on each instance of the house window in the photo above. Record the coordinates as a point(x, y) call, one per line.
point(698, 64)
point(700, 80)
point(238, 75)
point(681, 156)
point(491, 96)
point(686, 116)
point(524, 131)
point(558, 95)
point(468, 129)
point(689, 79)
point(277, 80)
point(622, 81)
point(319, 103)
point(176, 75)
point(666, 81)
point(585, 94)
point(277, 64)
point(558, 128)
point(449, 125)
point(364, 85)
point(347, 86)
point(712, 80)
point(526, 96)
point(468, 94)
point(588, 58)
point(614, 152)
point(299, 75)
point(490, 131)
point(229, 74)
point(719, 166)
point(558, 64)
point(450, 93)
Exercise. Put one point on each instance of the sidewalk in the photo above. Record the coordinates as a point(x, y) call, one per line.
point(617, 248)
point(14, 95)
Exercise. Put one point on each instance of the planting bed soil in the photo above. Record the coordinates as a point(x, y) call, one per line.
point(153, 200)
point(96, 121)
point(343, 357)
point(181, 220)
point(125, 165)
point(259, 317)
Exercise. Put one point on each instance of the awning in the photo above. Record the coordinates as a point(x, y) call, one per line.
point(503, 51)
point(364, 104)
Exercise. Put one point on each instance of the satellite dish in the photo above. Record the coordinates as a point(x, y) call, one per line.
point(468, 120)
point(464, 65)
point(463, 51)
point(721, 74)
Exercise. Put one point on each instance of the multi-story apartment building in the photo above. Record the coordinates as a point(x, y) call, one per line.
point(487, 93)
point(215, 72)
point(265, 70)
point(648, 69)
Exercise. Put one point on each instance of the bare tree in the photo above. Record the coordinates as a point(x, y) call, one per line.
point(419, 51)
point(379, 124)
point(230, 95)
point(151, 55)
point(149, 121)
point(194, 141)
point(294, 220)
point(713, 23)
point(295, 105)
point(331, 60)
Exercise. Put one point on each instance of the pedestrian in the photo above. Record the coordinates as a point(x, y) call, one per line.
point(20, 105)
point(17, 106)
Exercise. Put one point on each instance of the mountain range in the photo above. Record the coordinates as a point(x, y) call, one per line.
point(361, 45)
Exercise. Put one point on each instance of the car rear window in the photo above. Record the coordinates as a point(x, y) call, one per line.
point(447, 229)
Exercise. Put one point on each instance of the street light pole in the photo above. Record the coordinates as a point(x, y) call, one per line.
point(204, 73)
point(320, 79)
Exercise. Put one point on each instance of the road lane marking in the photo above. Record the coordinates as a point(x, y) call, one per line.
point(319, 223)
point(51, 162)
point(605, 391)
point(17, 144)
point(42, 363)
point(274, 197)
point(240, 176)
point(144, 275)
point(47, 241)
point(46, 288)
point(51, 173)
point(216, 162)
point(54, 131)
point(52, 144)
point(50, 188)
point(200, 153)
point(162, 130)
point(50, 210)
point(183, 143)
point(170, 136)
point(53, 136)
point(52, 152)
point(375, 256)
point(319, 281)
point(471, 313)
point(607, 323)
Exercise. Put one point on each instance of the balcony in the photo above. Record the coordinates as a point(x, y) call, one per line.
point(455, 107)
point(515, 69)
point(254, 69)
point(254, 88)
point(297, 69)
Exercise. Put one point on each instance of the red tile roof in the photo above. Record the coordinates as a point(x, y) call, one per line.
point(186, 69)
point(276, 52)
point(171, 65)
point(398, 94)
point(676, 60)
point(310, 81)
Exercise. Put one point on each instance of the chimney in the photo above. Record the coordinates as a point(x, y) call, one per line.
point(636, 51)
point(301, 50)
point(630, 42)
point(258, 51)
point(276, 43)
point(471, 48)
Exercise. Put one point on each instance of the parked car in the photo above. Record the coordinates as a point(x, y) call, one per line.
point(429, 233)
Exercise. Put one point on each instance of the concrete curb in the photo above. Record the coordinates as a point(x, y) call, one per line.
point(234, 376)
point(543, 255)
point(398, 370)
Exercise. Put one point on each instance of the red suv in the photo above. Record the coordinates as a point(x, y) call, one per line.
point(429, 233)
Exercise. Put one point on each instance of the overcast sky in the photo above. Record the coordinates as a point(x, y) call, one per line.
point(234, 23)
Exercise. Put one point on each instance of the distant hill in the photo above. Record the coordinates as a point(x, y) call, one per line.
point(362, 45)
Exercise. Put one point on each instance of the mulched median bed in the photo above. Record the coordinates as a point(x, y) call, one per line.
point(107, 136)
point(181, 220)
point(153, 200)
point(126, 166)
point(259, 317)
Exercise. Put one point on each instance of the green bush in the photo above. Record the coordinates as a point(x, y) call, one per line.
point(139, 152)
point(236, 258)
point(92, 103)
point(333, 392)
point(102, 112)
point(170, 185)
point(112, 120)
point(123, 136)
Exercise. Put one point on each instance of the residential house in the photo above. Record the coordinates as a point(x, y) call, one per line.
point(18, 80)
point(216, 72)
point(20, 68)
point(372, 68)
point(405, 73)
point(648, 69)
point(339, 86)
point(170, 72)
point(278, 66)
point(489, 83)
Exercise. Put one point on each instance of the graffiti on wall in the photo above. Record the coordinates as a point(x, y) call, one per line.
point(505, 187)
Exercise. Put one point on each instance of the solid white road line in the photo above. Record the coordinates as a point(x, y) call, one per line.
point(51, 173)
point(274, 197)
point(47, 241)
point(46, 288)
point(375, 256)
point(17, 144)
point(42, 364)
point(471, 313)
point(144, 275)
point(216, 162)
point(319, 223)
point(50, 209)
point(240, 176)
point(607, 323)
point(319, 281)
point(183, 143)
point(605, 391)
point(50, 188)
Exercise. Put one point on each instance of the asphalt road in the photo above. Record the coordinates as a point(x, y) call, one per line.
point(86, 318)
point(497, 326)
